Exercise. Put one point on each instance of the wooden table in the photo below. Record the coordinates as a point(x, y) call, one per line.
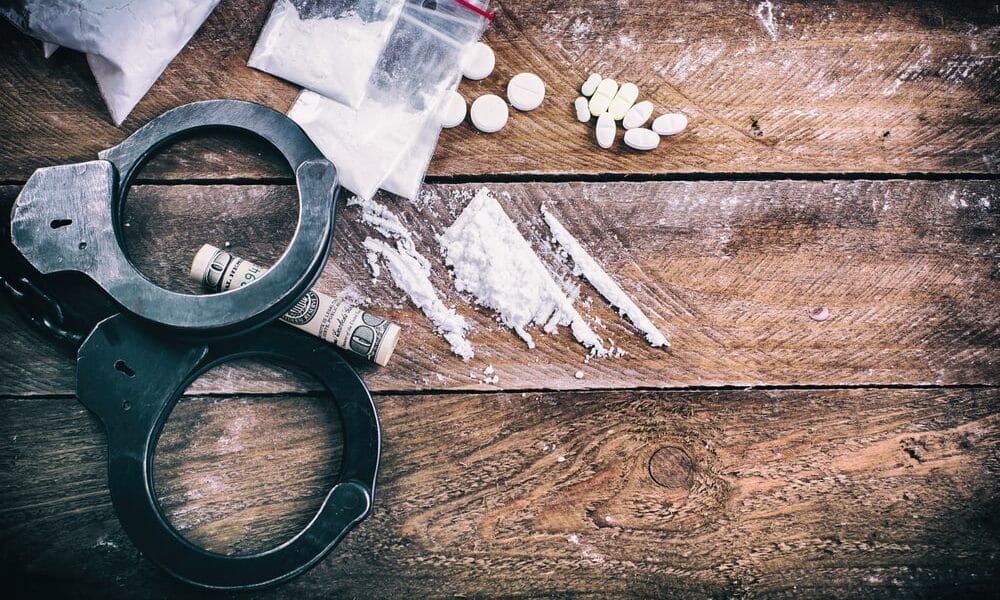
point(842, 155)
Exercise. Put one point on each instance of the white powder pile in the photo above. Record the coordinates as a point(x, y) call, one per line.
point(332, 55)
point(411, 272)
point(494, 264)
point(602, 282)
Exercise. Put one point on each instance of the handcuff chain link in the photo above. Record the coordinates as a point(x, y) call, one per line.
point(40, 309)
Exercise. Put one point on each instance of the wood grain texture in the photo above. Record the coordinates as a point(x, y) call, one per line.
point(730, 271)
point(789, 494)
point(836, 87)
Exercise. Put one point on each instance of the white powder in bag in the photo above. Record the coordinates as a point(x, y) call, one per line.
point(332, 55)
point(408, 175)
point(602, 282)
point(128, 44)
point(364, 143)
point(493, 263)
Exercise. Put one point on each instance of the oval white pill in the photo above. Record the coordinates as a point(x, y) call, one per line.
point(582, 109)
point(641, 138)
point(602, 97)
point(623, 100)
point(605, 130)
point(590, 86)
point(452, 111)
point(638, 115)
point(478, 62)
point(526, 91)
point(489, 113)
point(670, 123)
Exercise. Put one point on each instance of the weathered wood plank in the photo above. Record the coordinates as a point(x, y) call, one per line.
point(821, 87)
point(728, 270)
point(836, 493)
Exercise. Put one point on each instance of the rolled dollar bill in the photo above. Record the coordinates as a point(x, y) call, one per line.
point(336, 321)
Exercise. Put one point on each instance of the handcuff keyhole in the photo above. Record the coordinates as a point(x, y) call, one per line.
point(124, 368)
point(57, 223)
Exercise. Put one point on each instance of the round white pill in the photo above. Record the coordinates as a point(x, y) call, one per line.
point(605, 130)
point(670, 123)
point(489, 113)
point(526, 91)
point(641, 138)
point(582, 109)
point(638, 115)
point(452, 111)
point(478, 62)
point(590, 86)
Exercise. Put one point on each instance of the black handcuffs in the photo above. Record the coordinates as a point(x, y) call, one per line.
point(141, 346)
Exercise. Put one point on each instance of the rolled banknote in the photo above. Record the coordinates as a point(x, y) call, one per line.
point(336, 321)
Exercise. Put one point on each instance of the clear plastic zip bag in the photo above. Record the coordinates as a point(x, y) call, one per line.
point(328, 46)
point(408, 175)
point(419, 64)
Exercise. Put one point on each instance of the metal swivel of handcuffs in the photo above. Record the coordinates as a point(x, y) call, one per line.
point(140, 346)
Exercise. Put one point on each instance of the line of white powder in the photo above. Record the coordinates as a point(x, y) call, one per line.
point(388, 224)
point(602, 282)
point(413, 278)
point(411, 272)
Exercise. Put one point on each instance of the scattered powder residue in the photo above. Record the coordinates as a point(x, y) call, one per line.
point(413, 278)
point(411, 273)
point(963, 69)
point(426, 200)
point(493, 263)
point(580, 30)
point(104, 542)
point(350, 293)
point(588, 267)
point(692, 59)
point(912, 72)
point(765, 14)
point(491, 377)
point(629, 43)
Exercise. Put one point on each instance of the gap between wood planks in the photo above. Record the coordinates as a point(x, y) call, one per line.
point(605, 178)
point(582, 390)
